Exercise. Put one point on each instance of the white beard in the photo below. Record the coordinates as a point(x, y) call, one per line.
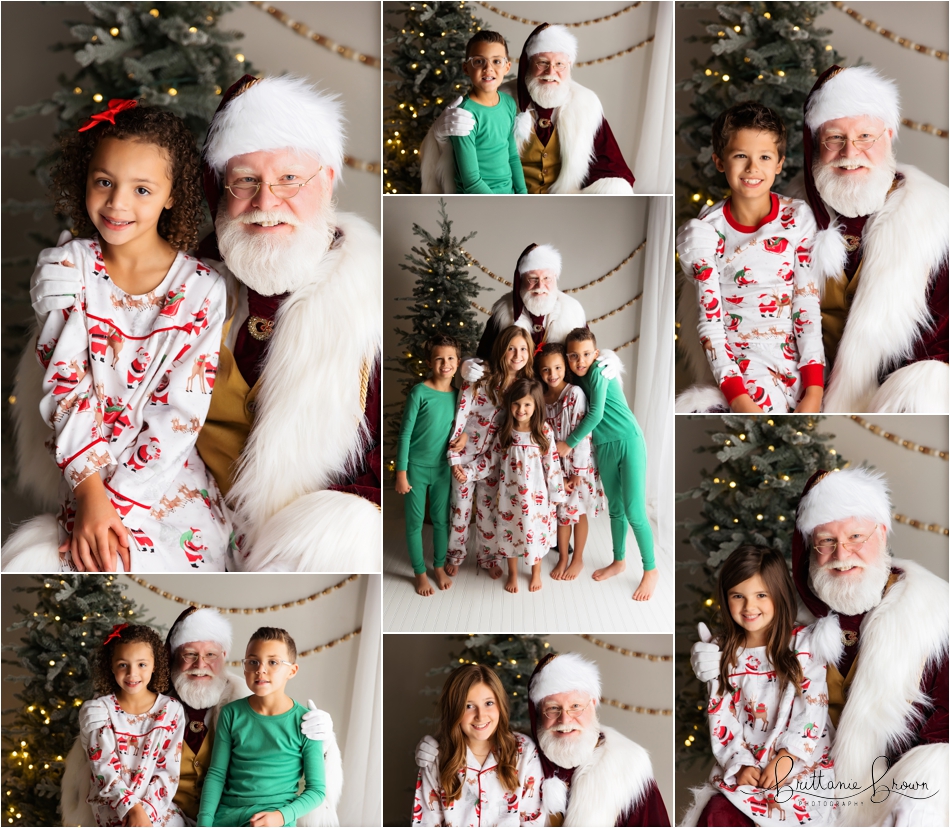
point(852, 596)
point(539, 305)
point(569, 753)
point(549, 95)
point(198, 696)
point(858, 196)
point(278, 264)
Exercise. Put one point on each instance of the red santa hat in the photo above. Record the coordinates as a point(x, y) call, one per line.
point(842, 494)
point(534, 257)
point(205, 624)
point(564, 673)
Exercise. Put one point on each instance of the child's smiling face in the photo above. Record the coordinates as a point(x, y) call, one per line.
point(480, 719)
point(751, 162)
point(522, 411)
point(443, 362)
point(581, 356)
point(751, 607)
point(494, 64)
point(272, 667)
point(552, 369)
point(516, 355)
point(132, 666)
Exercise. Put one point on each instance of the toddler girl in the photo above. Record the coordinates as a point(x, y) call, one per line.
point(130, 366)
point(134, 758)
point(565, 407)
point(768, 709)
point(478, 409)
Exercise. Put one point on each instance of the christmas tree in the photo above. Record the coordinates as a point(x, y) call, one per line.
point(750, 498)
point(73, 614)
point(767, 52)
point(512, 657)
point(442, 303)
point(428, 50)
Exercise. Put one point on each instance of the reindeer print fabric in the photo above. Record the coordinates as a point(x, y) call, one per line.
point(750, 723)
point(759, 316)
point(127, 387)
point(135, 759)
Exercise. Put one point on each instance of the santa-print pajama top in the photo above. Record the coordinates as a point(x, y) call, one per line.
point(135, 759)
point(483, 801)
point(127, 388)
point(563, 417)
point(751, 723)
point(759, 316)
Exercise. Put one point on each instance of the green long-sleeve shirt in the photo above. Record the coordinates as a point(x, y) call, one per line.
point(608, 415)
point(486, 160)
point(257, 762)
point(427, 421)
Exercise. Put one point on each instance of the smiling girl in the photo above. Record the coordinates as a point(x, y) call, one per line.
point(134, 758)
point(487, 774)
point(130, 366)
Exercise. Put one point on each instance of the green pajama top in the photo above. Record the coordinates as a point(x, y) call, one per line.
point(427, 421)
point(486, 160)
point(608, 415)
point(258, 760)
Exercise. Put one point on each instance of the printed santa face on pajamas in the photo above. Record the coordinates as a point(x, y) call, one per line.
point(127, 187)
point(539, 293)
point(132, 666)
point(480, 718)
point(850, 579)
point(272, 670)
point(443, 362)
point(751, 162)
point(516, 357)
point(552, 369)
point(581, 356)
point(751, 607)
point(569, 728)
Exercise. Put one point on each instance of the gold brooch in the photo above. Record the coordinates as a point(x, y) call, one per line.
point(851, 242)
point(196, 727)
point(261, 329)
point(544, 123)
point(849, 638)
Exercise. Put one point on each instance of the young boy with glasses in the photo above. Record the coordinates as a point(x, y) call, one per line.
point(486, 160)
point(259, 752)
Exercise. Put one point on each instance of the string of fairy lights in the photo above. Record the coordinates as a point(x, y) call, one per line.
point(910, 445)
point(906, 42)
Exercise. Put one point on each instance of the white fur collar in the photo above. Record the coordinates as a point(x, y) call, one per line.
point(309, 422)
point(903, 243)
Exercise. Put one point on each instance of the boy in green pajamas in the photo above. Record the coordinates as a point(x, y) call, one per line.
point(621, 458)
point(421, 463)
point(486, 160)
point(259, 752)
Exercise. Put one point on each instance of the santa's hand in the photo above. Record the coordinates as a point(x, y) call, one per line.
point(473, 370)
point(316, 724)
point(427, 753)
point(697, 240)
point(910, 812)
point(92, 717)
point(453, 121)
point(55, 283)
point(704, 655)
point(611, 366)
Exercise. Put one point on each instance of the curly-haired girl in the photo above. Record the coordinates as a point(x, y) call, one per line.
point(134, 758)
point(130, 366)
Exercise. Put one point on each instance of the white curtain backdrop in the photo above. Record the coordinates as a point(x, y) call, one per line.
point(361, 803)
point(653, 166)
point(653, 394)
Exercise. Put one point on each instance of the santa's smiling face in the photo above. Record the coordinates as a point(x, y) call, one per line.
point(549, 78)
point(850, 564)
point(539, 291)
point(568, 729)
point(198, 673)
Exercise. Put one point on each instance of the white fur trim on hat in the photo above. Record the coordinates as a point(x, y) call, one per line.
point(553, 39)
point(542, 257)
point(202, 625)
point(858, 493)
point(567, 672)
point(274, 114)
point(853, 92)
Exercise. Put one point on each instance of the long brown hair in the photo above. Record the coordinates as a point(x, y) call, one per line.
point(497, 374)
point(747, 562)
point(452, 742)
point(518, 389)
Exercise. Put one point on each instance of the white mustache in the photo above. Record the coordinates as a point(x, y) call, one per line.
point(844, 565)
point(197, 672)
point(564, 728)
point(554, 78)
point(849, 162)
point(256, 216)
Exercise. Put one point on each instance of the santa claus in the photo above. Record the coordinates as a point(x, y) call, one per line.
point(564, 140)
point(292, 434)
point(198, 644)
point(887, 693)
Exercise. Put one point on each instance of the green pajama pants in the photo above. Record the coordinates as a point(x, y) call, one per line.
point(241, 814)
point(623, 471)
point(437, 481)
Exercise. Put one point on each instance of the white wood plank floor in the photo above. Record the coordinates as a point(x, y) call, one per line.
point(476, 603)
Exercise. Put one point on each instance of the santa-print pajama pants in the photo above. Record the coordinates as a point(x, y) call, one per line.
point(481, 494)
point(623, 471)
point(436, 481)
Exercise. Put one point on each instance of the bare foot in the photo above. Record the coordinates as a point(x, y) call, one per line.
point(451, 570)
point(559, 569)
point(575, 569)
point(511, 585)
point(535, 584)
point(423, 587)
point(647, 585)
point(494, 572)
point(442, 578)
point(609, 571)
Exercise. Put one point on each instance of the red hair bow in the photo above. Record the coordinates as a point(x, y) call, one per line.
point(116, 105)
point(116, 633)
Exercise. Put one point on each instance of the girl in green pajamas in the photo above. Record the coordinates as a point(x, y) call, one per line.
point(259, 752)
point(621, 458)
point(421, 466)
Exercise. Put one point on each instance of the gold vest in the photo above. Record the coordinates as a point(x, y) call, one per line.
point(193, 771)
point(541, 165)
point(835, 304)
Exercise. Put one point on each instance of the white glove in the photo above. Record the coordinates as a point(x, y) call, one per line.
point(697, 239)
point(92, 717)
point(473, 370)
point(53, 286)
point(427, 753)
point(912, 812)
point(316, 724)
point(453, 121)
point(611, 366)
point(704, 655)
